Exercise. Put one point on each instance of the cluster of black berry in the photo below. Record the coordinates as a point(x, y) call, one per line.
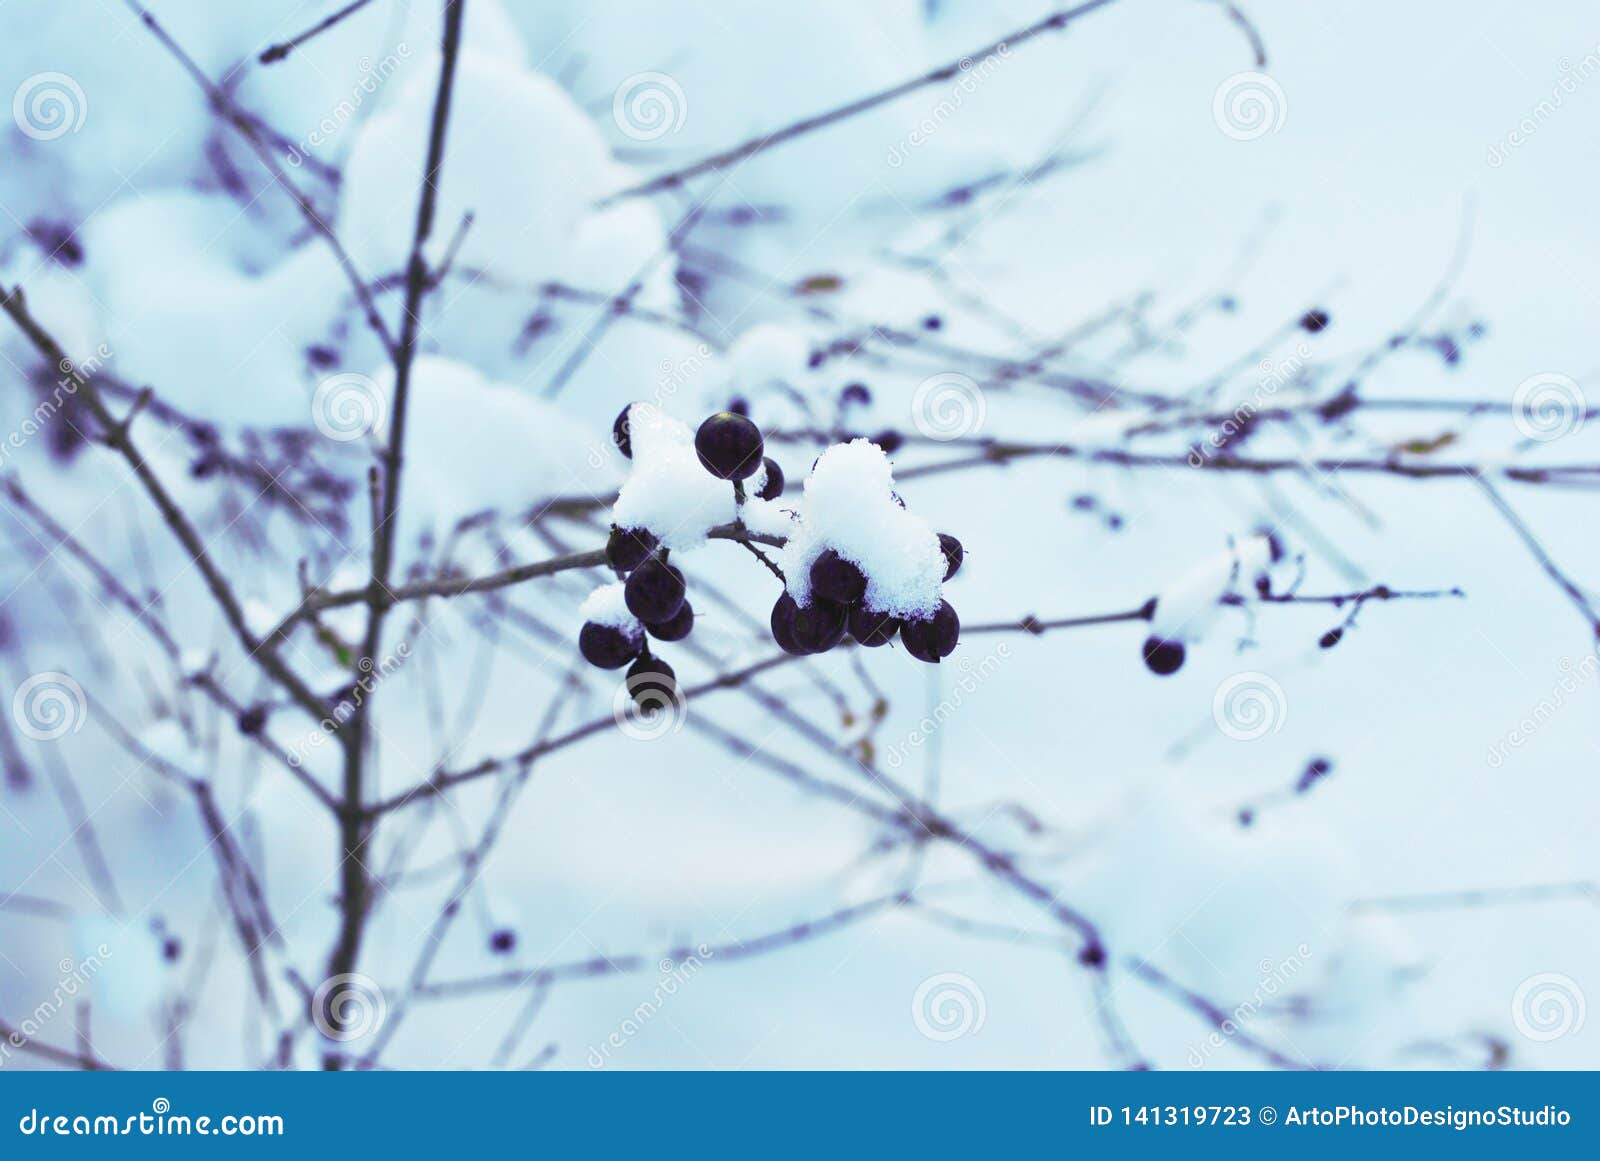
point(730, 447)
point(838, 606)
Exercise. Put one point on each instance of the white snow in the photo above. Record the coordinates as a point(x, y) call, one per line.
point(1187, 607)
point(606, 606)
point(769, 353)
point(849, 506)
point(474, 444)
point(507, 127)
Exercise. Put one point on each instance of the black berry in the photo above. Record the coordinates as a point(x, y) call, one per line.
point(654, 592)
point(855, 393)
point(1314, 321)
point(171, 949)
point(771, 487)
point(833, 578)
point(652, 684)
point(934, 639)
point(729, 446)
point(606, 646)
point(932, 323)
point(628, 548)
point(502, 940)
point(872, 628)
point(954, 554)
point(252, 720)
point(784, 613)
point(1163, 657)
point(675, 627)
point(819, 626)
point(890, 441)
point(620, 433)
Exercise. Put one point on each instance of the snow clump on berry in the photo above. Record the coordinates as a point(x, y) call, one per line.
point(670, 493)
point(849, 506)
